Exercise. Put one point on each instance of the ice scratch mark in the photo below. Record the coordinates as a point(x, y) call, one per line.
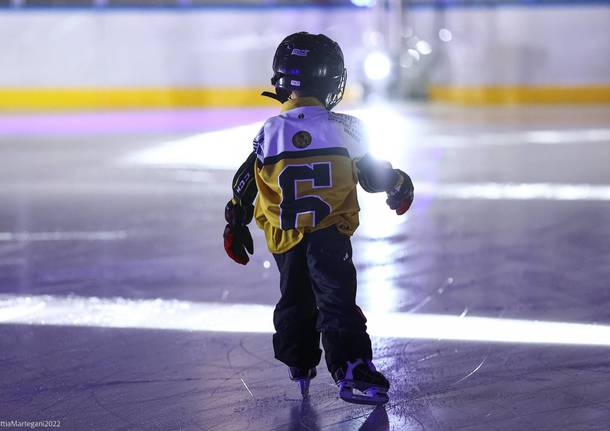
point(478, 367)
point(235, 373)
point(260, 359)
point(246, 386)
point(421, 304)
point(99, 403)
point(465, 312)
point(429, 298)
point(425, 358)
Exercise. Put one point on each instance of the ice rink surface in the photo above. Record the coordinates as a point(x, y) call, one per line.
point(489, 302)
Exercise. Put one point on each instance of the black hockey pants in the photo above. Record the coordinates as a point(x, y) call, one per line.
point(318, 286)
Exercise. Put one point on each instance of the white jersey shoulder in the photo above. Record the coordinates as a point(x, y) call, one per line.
point(310, 128)
point(354, 129)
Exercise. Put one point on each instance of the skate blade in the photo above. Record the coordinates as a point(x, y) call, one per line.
point(366, 400)
point(371, 397)
point(304, 383)
point(304, 386)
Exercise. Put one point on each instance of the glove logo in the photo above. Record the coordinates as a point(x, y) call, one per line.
point(301, 139)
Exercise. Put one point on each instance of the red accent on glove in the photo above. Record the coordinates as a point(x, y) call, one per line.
point(404, 205)
point(401, 206)
point(401, 199)
point(236, 242)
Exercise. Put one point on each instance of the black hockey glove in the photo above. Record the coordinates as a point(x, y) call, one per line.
point(401, 196)
point(375, 175)
point(237, 238)
point(237, 214)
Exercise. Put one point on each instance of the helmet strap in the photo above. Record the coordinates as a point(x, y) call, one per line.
point(280, 95)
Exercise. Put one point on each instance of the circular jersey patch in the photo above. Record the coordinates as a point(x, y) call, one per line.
point(301, 139)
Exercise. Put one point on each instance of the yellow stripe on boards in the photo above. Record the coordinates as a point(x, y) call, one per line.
point(118, 98)
point(63, 99)
point(125, 98)
point(595, 94)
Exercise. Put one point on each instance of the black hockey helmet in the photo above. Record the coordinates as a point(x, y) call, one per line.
point(311, 64)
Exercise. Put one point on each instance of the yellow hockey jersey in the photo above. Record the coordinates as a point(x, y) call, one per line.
point(305, 173)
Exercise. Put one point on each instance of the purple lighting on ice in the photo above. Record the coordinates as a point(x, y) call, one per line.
point(200, 120)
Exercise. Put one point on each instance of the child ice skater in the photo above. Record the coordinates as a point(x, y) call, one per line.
point(304, 168)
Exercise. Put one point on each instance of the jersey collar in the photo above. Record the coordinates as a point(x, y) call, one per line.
point(300, 102)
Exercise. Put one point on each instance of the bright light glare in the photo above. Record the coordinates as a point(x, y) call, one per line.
point(377, 221)
point(445, 35)
point(221, 149)
point(538, 137)
point(508, 191)
point(363, 3)
point(423, 47)
point(388, 132)
point(377, 66)
point(133, 313)
point(429, 326)
point(250, 318)
point(62, 236)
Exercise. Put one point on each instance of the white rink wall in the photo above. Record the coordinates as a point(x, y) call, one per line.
point(561, 44)
point(139, 48)
point(517, 45)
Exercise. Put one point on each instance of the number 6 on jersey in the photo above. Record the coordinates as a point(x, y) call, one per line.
point(292, 205)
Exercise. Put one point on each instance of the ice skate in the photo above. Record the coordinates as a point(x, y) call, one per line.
point(302, 376)
point(361, 376)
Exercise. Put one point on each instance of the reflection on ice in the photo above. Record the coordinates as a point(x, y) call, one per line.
point(378, 292)
point(62, 236)
point(377, 220)
point(379, 225)
point(247, 318)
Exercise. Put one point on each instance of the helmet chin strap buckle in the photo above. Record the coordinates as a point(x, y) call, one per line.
point(279, 98)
